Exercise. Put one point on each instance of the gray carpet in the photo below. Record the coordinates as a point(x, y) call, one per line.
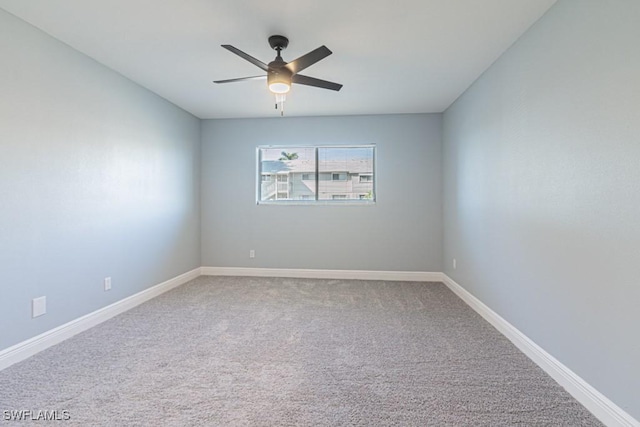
point(284, 352)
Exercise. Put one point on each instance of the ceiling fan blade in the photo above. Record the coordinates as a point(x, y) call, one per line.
point(241, 79)
point(246, 56)
point(311, 81)
point(309, 59)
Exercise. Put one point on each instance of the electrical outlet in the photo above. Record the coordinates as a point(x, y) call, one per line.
point(252, 253)
point(107, 283)
point(454, 263)
point(38, 306)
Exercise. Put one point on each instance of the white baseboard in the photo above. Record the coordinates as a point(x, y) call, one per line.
point(599, 405)
point(407, 276)
point(28, 348)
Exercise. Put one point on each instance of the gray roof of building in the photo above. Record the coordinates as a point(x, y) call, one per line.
point(308, 166)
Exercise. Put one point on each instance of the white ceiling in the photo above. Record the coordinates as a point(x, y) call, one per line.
point(402, 56)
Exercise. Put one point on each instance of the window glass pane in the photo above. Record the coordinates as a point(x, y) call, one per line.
point(339, 172)
point(282, 171)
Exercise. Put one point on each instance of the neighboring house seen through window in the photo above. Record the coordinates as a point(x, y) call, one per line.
point(323, 173)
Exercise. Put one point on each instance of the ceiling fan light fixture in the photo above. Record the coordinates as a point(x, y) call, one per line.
point(279, 82)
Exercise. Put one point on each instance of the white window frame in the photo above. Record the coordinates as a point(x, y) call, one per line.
point(348, 201)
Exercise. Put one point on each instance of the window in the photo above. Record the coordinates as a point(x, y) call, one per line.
point(313, 174)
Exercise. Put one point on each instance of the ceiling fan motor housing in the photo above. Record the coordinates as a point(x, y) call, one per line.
point(279, 77)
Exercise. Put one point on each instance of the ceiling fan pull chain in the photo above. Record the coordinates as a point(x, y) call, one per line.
point(280, 98)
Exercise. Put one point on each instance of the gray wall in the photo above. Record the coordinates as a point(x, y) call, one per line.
point(542, 190)
point(98, 177)
point(401, 232)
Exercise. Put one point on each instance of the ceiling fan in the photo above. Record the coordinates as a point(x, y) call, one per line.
point(280, 74)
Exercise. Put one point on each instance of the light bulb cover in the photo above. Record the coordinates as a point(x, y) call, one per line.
point(279, 87)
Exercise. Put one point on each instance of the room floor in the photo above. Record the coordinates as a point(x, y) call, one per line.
point(271, 351)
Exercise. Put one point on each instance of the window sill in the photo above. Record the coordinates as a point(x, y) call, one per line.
point(318, 203)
